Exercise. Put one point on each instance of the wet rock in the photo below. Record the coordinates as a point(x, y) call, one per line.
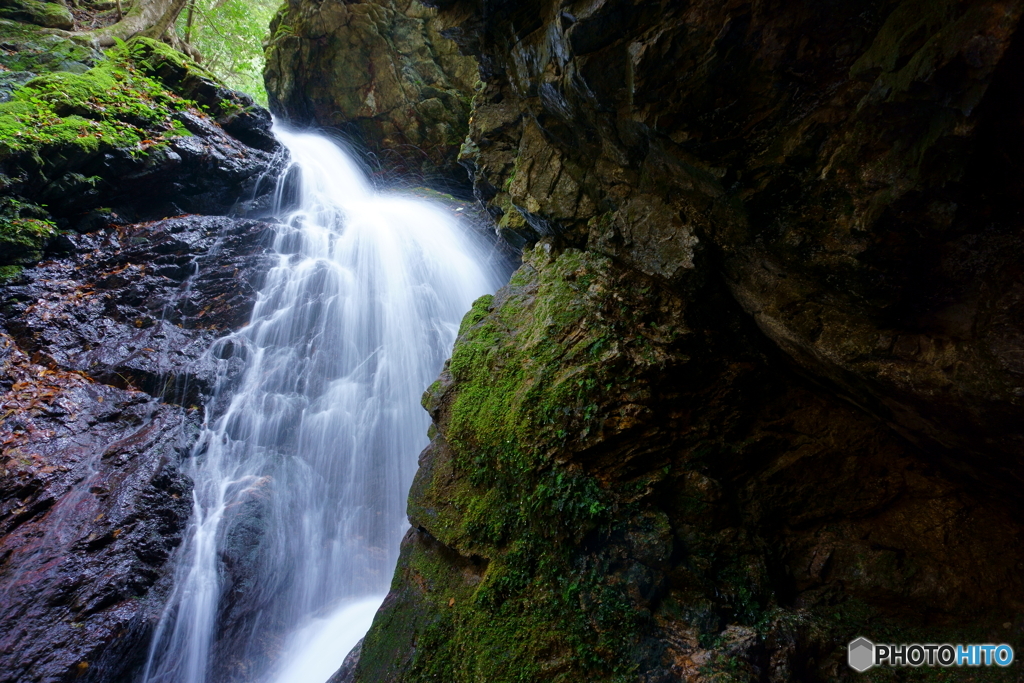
point(92, 503)
point(139, 306)
point(346, 674)
point(380, 71)
point(103, 345)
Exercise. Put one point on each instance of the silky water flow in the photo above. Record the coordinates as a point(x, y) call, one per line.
point(312, 436)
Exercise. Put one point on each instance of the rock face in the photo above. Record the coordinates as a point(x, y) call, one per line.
point(380, 72)
point(99, 349)
point(93, 496)
point(756, 390)
point(104, 343)
point(93, 504)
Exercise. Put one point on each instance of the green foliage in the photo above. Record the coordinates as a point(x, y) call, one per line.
point(24, 234)
point(230, 34)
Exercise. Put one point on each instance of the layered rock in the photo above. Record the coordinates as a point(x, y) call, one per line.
point(105, 368)
point(381, 73)
point(756, 391)
point(104, 344)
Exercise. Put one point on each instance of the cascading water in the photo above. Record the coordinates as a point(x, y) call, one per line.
point(303, 467)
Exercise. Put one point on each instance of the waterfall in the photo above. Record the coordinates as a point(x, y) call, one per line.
point(312, 435)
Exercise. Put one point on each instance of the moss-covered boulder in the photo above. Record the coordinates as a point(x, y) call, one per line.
point(623, 486)
point(141, 130)
point(52, 14)
point(378, 70)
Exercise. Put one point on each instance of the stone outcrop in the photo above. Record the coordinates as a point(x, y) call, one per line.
point(105, 329)
point(378, 71)
point(141, 134)
point(755, 391)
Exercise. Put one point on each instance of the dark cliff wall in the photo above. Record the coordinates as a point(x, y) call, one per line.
point(756, 389)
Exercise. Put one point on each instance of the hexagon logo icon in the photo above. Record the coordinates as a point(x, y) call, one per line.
point(861, 654)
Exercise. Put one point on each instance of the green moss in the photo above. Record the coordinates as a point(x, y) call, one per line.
point(54, 123)
point(24, 232)
point(48, 14)
point(9, 272)
point(114, 104)
point(528, 374)
point(34, 52)
point(170, 67)
point(512, 408)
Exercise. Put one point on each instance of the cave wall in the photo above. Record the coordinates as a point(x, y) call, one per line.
point(756, 389)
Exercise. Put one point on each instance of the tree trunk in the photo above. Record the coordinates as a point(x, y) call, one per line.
point(150, 18)
point(188, 22)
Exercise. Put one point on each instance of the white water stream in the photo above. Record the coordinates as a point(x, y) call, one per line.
point(303, 467)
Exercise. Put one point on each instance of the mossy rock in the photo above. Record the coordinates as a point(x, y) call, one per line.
point(535, 596)
point(24, 234)
point(115, 104)
point(8, 273)
point(82, 104)
point(30, 50)
point(47, 14)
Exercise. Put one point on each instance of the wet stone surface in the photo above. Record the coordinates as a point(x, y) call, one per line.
point(138, 306)
point(103, 363)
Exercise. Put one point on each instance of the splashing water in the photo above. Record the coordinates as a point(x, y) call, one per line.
point(302, 470)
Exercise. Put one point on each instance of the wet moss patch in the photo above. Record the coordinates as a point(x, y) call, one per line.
point(551, 598)
point(114, 104)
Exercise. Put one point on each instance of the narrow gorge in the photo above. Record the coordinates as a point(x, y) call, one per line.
point(739, 376)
